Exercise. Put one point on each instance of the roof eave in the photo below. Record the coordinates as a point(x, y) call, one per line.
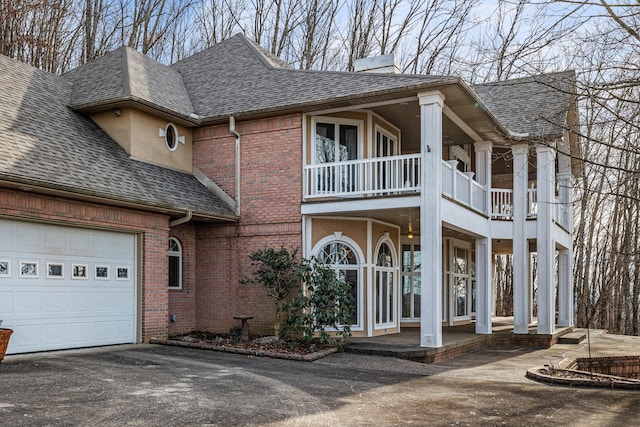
point(335, 102)
point(190, 120)
point(43, 187)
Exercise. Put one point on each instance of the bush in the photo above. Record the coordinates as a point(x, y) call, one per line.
point(279, 272)
point(327, 304)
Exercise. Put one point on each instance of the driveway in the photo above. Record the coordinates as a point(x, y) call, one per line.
point(149, 385)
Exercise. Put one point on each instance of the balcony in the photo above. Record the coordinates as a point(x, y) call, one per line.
point(394, 175)
point(502, 206)
point(388, 176)
point(502, 203)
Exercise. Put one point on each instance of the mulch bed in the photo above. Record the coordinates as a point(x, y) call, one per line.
point(573, 378)
point(283, 349)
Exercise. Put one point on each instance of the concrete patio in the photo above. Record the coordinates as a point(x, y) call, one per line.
point(456, 340)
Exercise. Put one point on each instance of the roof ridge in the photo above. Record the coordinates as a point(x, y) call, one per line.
point(529, 78)
point(252, 45)
point(126, 76)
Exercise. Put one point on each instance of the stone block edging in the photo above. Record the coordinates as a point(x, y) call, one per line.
point(613, 381)
point(245, 351)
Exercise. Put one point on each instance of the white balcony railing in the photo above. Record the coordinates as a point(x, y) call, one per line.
point(394, 175)
point(502, 203)
point(461, 187)
point(364, 177)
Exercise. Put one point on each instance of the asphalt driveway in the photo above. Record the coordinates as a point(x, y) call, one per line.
point(149, 385)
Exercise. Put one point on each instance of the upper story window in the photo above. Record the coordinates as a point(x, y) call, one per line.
point(171, 136)
point(385, 143)
point(175, 264)
point(336, 140)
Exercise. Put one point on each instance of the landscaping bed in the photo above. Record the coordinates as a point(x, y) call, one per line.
point(575, 378)
point(291, 349)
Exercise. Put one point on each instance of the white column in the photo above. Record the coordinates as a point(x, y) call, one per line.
point(520, 245)
point(431, 104)
point(484, 258)
point(483, 170)
point(545, 244)
point(565, 264)
point(484, 298)
point(565, 288)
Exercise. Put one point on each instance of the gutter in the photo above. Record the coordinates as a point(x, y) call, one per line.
point(182, 220)
point(232, 129)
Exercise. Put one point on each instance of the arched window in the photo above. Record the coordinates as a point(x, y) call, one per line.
point(175, 264)
point(385, 286)
point(344, 261)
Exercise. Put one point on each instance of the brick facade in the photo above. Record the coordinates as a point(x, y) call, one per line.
point(153, 229)
point(271, 194)
point(182, 302)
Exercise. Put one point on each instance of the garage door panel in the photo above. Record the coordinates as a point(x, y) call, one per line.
point(27, 302)
point(102, 301)
point(55, 302)
point(25, 335)
point(79, 332)
point(55, 240)
point(79, 241)
point(30, 239)
point(6, 302)
point(54, 334)
point(122, 328)
point(123, 301)
point(59, 310)
point(79, 301)
point(102, 329)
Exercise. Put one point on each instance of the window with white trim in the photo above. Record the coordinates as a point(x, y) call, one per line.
point(344, 261)
point(171, 136)
point(175, 264)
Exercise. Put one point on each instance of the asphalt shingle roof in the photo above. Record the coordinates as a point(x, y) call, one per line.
point(235, 77)
point(535, 105)
point(45, 143)
point(126, 74)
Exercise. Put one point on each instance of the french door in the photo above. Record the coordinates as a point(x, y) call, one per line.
point(336, 142)
point(411, 281)
point(460, 284)
point(385, 288)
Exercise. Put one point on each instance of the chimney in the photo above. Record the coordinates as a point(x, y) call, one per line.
point(386, 64)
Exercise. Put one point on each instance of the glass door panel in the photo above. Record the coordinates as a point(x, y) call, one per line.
point(411, 288)
point(384, 289)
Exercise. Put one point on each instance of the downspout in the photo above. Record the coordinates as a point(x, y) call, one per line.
point(232, 129)
point(182, 220)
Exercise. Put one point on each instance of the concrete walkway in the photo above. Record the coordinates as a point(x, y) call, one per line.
point(153, 385)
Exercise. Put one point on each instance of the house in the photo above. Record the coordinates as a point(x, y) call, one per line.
point(132, 193)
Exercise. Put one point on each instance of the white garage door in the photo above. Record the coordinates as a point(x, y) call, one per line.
point(64, 287)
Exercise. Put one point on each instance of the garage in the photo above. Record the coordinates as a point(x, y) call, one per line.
point(66, 287)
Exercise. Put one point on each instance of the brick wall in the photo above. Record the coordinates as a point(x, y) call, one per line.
point(153, 228)
point(182, 302)
point(271, 194)
point(621, 366)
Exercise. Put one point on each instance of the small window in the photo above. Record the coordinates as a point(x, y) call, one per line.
point(175, 264)
point(171, 136)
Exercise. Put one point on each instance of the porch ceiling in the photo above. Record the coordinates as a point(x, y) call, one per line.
point(406, 116)
point(402, 217)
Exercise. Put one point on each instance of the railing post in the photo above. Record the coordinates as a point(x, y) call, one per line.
point(483, 151)
point(470, 186)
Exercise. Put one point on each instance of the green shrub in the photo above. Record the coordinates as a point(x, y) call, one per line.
point(279, 272)
point(327, 304)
